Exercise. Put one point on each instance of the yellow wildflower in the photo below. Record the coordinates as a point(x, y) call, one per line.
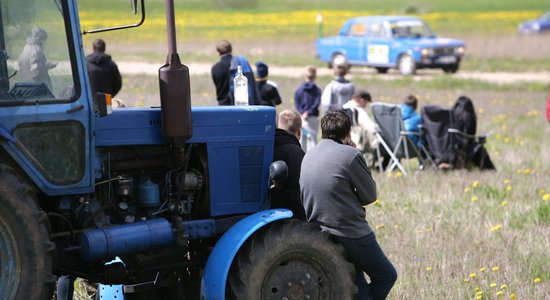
point(499, 293)
point(508, 189)
point(380, 226)
point(474, 198)
point(527, 171)
point(504, 203)
point(506, 181)
point(495, 268)
point(546, 197)
point(506, 140)
point(482, 269)
point(492, 284)
point(504, 286)
point(496, 227)
point(466, 280)
point(513, 296)
point(467, 189)
point(537, 280)
point(377, 202)
point(472, 275)
point(475, 184)
point(428, 268)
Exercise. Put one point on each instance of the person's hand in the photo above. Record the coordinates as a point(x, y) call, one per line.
point(305, 115)
point(52, 64)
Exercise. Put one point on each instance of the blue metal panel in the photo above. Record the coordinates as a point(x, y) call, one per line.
point(142, 126)
point(79, 111)
point(221, 257)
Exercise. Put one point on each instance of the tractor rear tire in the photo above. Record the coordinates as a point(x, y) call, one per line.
point(291, 259)
point(26, 252)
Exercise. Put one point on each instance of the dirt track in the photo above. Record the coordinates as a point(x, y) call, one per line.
point(132, 68)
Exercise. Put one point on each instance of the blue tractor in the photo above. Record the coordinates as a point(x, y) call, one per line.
point(179, 195)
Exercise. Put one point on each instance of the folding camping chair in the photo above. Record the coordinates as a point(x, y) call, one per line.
point(450, 142)
point(393, 139)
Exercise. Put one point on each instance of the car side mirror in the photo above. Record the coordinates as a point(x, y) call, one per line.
point(278, 172)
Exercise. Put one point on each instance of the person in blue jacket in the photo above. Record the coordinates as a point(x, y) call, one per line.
point(411, 119)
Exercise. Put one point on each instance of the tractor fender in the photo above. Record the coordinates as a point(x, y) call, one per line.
point(218, 263)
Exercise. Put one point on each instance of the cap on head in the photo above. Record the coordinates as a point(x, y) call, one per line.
point(261, 70)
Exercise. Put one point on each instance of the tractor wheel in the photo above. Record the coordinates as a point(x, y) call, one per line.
point(291, 259)
point(26, 253)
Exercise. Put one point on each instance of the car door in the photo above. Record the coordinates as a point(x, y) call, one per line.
point(378, 44)
point(45, 113)
point(355, 43)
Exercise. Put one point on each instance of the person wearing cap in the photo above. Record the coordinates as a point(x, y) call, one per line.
point(339, 90)
point(33, 64)
point(363, 132)
point(220, 72)
point(269, 90)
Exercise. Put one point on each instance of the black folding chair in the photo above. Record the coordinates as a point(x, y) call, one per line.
point(394, 140)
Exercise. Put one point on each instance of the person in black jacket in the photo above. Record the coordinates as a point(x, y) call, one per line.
point(288, 149)
point(220, 72)
point(103, 71)
point(269, 92)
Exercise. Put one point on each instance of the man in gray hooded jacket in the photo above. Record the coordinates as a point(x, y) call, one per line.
point(335, 184)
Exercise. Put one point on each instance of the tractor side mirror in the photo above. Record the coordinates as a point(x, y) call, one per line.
point(278, 172)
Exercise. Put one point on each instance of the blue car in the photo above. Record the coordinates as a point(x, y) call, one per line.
point(384, 42)
point(539, 25)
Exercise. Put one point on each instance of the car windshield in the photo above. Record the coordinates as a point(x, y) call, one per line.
point(35, 61)
point(546, 16)
point(410, 29)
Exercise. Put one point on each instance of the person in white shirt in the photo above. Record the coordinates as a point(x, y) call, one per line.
point(363, 127)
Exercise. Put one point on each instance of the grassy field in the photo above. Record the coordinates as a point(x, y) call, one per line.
point(451, 235)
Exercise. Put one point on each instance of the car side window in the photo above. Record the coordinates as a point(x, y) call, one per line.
point(377, 30)
point(358, 29)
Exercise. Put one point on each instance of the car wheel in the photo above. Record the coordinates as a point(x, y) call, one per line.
point(291, 259)
point(337, 58)
point(451, 69)
point(382, 70)
point(406, 64)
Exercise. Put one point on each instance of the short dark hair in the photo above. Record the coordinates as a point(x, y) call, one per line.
point(335, 125)
point(224, 47)
point(99, 45)
point(411, 101)
point(363, 95)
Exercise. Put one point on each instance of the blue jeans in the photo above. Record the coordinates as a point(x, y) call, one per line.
point(367, 256)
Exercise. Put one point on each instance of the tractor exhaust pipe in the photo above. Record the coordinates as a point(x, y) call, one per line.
point(175, 92)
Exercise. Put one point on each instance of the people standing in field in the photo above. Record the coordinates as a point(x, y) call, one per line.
point(288, 149)
point(335, 184)
point(269, 90)
point(307, 99)
point(103, 71)
point(363, 130)
point(224, 71)
point(339, 90)
point(220, 72)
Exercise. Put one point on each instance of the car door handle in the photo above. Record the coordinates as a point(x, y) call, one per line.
point(76, 108)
